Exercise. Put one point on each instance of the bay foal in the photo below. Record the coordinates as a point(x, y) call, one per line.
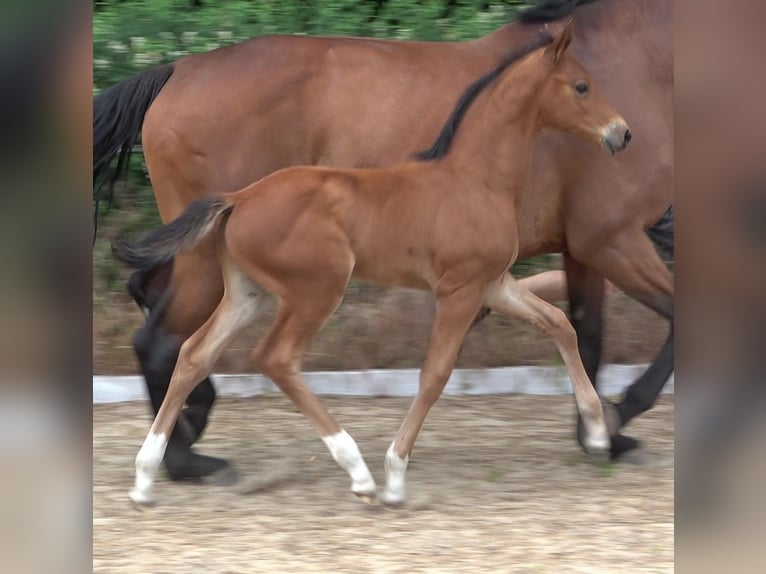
point(449, 226)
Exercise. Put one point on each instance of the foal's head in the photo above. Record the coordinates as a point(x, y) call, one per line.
point(569, 101)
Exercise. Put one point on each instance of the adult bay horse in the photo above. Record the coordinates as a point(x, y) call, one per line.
point(218, 121)
point(448, 224)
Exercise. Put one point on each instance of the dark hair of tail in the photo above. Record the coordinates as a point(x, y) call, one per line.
point(662, 235)
point(118, 114)
point(181, 234)
point(550, 10)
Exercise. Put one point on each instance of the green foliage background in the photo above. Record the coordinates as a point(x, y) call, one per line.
point(129, 35)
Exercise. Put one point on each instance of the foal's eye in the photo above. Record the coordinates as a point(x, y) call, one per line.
point(582, 88)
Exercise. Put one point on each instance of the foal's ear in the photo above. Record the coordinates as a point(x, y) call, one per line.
point(561, 42)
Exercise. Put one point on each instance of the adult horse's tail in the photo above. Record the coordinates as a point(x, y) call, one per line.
point(181, 234)
point(118, 114)
point(662, 235)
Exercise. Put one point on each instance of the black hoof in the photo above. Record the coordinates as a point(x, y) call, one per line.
point(188, 465)
point(621, 444)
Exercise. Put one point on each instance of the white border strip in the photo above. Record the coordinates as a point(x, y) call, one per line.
point(613, 379)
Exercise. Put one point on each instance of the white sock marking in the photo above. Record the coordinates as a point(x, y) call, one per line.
point(597, 439)
point(147, 463)
point(346, 453)
point(396, 468)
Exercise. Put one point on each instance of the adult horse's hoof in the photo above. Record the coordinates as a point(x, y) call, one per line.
point(624, 448)
point(188, 465)
point(227, 476)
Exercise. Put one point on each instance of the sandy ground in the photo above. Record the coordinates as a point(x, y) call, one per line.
point(495, 484)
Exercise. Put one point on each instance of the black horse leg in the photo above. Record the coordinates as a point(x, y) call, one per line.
point(586, 295)
point(641, 395)
point(157, 352)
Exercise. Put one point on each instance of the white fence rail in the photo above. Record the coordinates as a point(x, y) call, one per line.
point(613, 379)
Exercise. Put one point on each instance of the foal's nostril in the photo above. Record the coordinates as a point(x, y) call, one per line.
point(628, 137)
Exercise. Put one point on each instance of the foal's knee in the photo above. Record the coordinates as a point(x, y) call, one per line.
point(273, 364)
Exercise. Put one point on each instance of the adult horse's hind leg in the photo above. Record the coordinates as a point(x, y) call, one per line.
point(454, 314)
point(279, 356)
point(506, 296)
point(196, 359)
point(585, 289)
point(157, 349)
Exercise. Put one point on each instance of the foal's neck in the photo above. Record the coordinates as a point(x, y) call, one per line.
point(492, 149)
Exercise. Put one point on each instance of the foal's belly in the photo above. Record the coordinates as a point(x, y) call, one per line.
point(393, 274)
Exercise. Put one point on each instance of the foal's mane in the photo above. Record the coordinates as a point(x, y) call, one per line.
point(443, 141)
point(543, 11)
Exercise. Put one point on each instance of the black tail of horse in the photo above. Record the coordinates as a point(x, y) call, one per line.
point(662, 235)
point(118, 114)
point(181, 234)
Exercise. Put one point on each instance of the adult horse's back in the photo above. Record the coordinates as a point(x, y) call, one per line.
point(217, 121)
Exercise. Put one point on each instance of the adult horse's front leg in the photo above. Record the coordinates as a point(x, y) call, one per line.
point(454, 314)
point(585, 288)
point(175, 310)
point(632, 263)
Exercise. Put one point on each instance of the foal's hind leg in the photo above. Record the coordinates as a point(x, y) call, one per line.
point(279, 356)
point(195, 361)
point(506, 296)
point(454, 315)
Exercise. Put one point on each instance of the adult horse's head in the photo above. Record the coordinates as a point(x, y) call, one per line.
point(570, 102)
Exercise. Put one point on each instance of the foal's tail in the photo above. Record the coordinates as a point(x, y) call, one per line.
point(181, 234)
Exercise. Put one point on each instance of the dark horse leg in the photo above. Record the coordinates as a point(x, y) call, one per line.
point(637, 269)
point(157, 352)
point(586, 294)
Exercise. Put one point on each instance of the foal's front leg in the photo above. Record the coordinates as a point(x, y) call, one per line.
point(454, 314)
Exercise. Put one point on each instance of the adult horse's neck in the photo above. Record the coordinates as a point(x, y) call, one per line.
point(603, 25)
point(492, 148)
point(508, 37)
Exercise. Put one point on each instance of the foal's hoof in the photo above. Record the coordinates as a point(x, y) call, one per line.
point(188, 465)
point(140, 499)
point(391, 499)
point(370, 498)
point(619, 448)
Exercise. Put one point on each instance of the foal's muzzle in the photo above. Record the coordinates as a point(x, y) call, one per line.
point(615, 137)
